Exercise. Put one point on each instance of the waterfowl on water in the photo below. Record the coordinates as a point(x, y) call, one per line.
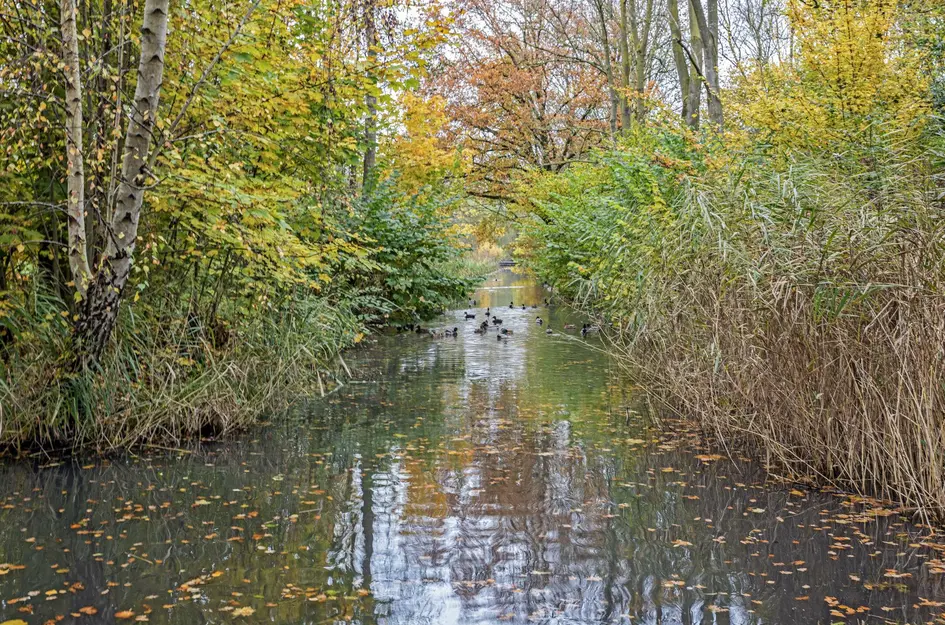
point(469, 315)
point(511, 305)
point(548, 331)
point(506, 331)
point(569, 326)
point(523, 307)
point(453, 333)
point(539, 320)
point(500, 336)
point(496, 321)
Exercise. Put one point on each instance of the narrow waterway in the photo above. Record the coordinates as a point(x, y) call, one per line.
point(455, 481)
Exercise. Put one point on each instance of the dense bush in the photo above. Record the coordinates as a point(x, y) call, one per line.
point(408, 270)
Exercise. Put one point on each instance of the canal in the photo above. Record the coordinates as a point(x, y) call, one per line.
point(456, 480)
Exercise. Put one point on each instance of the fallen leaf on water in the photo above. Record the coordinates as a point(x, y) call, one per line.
point(247, 611)
point(122, 614)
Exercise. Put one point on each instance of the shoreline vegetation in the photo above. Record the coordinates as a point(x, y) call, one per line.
point(188, 382)
point(782, 282)
point(200, 208)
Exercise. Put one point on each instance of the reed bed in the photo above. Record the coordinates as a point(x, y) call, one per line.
point(795, 308)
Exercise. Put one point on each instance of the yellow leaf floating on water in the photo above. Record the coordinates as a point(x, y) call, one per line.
point(15, 621)
point(123, 614)
point(246, 611)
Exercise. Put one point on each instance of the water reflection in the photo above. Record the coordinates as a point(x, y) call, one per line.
point(461, 480)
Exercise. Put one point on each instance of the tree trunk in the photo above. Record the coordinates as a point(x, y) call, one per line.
point(624, 66)
point(100, 309)
point(679, 56)
point(370, 100)
point(709, 27)
point(695, 69)
point(608, 66)
point(712, 66)
point(75, 161)
point(640, 33)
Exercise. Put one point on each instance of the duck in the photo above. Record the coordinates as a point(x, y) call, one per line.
point(496, 321)
point(500, 336)
point(539, 320)
point(511, 305)
point(569, 326)
point(505, 331)
point(588, 328)
point(548, 331)
point(534, 306)
point(418, 329)
point(451, 333)
point(481, 330)
point(468, 315)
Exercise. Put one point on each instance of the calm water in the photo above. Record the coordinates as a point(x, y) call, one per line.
point(461, 480)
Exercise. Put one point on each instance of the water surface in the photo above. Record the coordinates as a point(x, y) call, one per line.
point(455, 481)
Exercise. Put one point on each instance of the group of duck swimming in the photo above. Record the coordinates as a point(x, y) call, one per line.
point(504, 333)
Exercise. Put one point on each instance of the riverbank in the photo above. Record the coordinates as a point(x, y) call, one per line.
point(181, 384)
point(792, 307)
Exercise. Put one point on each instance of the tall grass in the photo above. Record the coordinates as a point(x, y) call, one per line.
point(165, 382)
point(793, 306)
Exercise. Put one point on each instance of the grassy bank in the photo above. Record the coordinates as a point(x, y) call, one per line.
point(163, 385)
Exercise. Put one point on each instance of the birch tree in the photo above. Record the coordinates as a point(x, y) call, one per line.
point(101, 289)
